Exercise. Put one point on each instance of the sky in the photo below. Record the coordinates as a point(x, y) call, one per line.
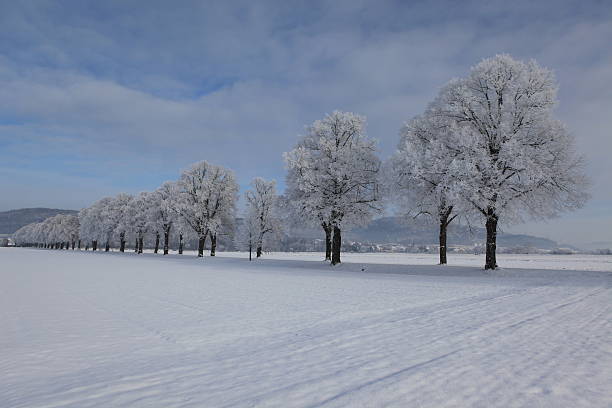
point(102, 97)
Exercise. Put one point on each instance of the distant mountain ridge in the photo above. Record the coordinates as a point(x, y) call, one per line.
point(424, 232)
point(396, 230)
point(12, 220)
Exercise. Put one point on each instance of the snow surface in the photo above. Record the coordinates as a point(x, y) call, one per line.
point(109, 330)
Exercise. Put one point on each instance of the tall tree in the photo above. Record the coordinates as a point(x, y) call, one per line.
point(515, 159)
point(334, 175)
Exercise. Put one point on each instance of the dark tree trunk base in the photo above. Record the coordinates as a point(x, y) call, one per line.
point(336, 245)
point(213, 245)
point(491, 225)
point(328, 240)
point(166, 240)
point(201, 243)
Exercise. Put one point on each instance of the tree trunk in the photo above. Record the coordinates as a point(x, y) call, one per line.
point(87, 247)
point(94, 245)
point(140, 244)
point(328, 240)
point(201, 243)
point(491, 225)
point(213, 244)
point(259, 251)
point(136, 245)
point(79, 244)
point(443, 227)
point(250, 252)
point(107, 248)
point(166, 239)
point(122, 243)
point(181, 243)
point(156, 242)
point(73, 245)
point(336, 244)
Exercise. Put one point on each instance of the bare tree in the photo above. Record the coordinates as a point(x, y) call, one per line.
point(262, 207)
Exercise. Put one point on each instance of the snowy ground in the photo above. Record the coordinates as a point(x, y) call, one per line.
point(577, 262)
point(109, 330)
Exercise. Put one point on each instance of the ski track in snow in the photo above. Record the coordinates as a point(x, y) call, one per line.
point(111, 330)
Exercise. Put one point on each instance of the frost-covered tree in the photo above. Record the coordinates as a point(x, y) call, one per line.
point(163, 212)
point(71, 228)
point(56, 230)
point(25, 236)
point(112, 213)
point(207, 195)
point(515, 159)
point(333, 175)
point(90, 225)
point(262, 210)
point(422, 174)
point(122, 208)
point(138, 217)
point(62, 230)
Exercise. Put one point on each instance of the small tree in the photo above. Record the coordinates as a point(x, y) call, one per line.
point(248, 233)
point(261, 202)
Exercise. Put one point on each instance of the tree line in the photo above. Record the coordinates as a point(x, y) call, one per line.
point(487, 149)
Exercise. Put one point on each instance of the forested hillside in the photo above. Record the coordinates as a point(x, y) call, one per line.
point(12, 220)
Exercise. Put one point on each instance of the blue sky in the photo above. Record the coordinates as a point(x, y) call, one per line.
point(102, 97)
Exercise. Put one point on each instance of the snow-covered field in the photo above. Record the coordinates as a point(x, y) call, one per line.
point(109, 330)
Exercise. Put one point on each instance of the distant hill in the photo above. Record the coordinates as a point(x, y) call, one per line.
point(396, 230)
point(12, 220)
point(423, 232)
